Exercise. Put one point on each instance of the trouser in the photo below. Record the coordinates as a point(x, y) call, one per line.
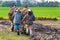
point(16, 27)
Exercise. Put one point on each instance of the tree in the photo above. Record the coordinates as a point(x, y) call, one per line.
point(18, 3)
point(7, 3)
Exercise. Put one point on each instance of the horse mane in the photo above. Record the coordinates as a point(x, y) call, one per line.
point(11, 12)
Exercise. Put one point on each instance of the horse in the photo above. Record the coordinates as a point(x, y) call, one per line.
point(22, 29)
point(25, 27)
point(10, 19)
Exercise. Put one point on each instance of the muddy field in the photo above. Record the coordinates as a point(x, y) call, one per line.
point(51, 23)
point(42, 29)
point(46, 30)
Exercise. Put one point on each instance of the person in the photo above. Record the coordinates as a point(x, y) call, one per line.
point(17, 18)
point(29, 18)
point(11, 12)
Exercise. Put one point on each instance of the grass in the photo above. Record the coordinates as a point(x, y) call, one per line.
point(4, 12)
point(12, 36)
point(48, 12)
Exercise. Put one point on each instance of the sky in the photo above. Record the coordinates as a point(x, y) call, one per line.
point(48, 0)
point(36, 0)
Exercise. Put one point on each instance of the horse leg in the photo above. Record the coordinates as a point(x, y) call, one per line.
point(12, 27)
point(30, 30)
point(27, 30)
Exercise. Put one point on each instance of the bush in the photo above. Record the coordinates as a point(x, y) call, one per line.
point(44, 18)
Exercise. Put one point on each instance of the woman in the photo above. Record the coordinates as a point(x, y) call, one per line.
point(17, 18)
point(29, 18)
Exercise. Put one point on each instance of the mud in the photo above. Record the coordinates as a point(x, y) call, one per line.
point(46, 30)
point(42, 29)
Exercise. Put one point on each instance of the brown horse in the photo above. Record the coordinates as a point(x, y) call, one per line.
point(24, 12)
point(10, 19)
point(28, 28)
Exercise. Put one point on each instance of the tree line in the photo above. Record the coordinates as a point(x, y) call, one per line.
point(30, 4)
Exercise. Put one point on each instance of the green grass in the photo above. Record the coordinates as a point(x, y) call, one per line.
point(12, 36)
point(4, 12)
point(48, 12)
